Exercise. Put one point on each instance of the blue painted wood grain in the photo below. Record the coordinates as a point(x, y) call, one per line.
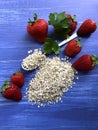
point(79, 109)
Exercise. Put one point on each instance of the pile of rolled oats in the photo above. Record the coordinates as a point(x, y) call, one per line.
point(33, 61)
point(53, 78)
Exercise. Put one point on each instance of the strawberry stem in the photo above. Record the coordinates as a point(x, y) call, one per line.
point(74, 18)
point(97, 24)
point(78, 43)
point(30, 21)
point(95, 60)
point(35, 17)
point(5, 86)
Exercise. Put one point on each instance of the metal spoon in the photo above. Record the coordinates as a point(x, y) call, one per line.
point(69, 39)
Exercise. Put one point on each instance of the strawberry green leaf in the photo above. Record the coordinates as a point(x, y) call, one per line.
point(56, 49)
point(47, 47)
point(78, 43)
point(95, 59)
point(0, 89)
point(30, 21)
point(34, 19)
point(97, 25)
point(51, 46)
point(59, 20)
point(74, 18)
point(35, 16)
point(5, 86)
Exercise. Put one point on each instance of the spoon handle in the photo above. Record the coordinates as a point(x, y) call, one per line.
point(67, 40)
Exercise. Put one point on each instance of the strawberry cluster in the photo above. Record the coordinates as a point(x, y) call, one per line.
point(64, 25)
point(11, 90)
point(86, 62)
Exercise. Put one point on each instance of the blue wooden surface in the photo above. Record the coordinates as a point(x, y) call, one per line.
point(79, 110)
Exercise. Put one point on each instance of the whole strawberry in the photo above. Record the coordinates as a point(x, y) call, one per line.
point(87, 27)
point(38, 29)
point(72, 24)
point(64, 24)
point(73, 48)
point(85, 63)
point(11, 91)
point(18, 78)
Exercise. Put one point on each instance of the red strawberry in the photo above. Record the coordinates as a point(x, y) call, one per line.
point(11, 91)
point(69, 16)
point(38, 29)
point(73, 48)
point(18, 78)
point(85, 62)
point(87, 27)
point(73, 23)
point(64, 24)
